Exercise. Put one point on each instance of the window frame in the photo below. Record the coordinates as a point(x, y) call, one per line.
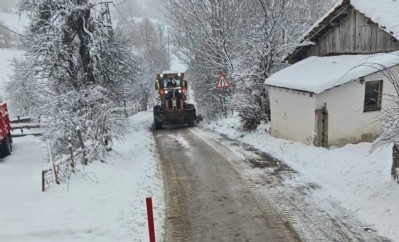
point(379, 97)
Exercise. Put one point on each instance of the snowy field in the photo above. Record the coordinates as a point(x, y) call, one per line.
point(103, 202)
point(350, 176)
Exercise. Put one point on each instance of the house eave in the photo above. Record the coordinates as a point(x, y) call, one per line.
point(291, 89)
point(325, 24)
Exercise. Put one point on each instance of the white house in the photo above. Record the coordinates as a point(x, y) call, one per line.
point(336, 89)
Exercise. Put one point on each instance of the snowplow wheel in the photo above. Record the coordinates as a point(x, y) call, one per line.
point(157, 119)
point(191, 115)
point(190, 123)
point(158, 125)
point(5, 147)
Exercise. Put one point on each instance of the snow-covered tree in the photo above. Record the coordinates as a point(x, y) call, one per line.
point(207, 34)
point(247, 40)
point(78, 73)
point(148, 39)
point(390, 116)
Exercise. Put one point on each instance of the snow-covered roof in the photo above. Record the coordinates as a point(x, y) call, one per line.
point(318, 74)
point(385, 13)
point(318, 22)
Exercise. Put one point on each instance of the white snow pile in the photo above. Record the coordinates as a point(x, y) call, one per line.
point(103, 202)
point(350, 175)
point(332, 71)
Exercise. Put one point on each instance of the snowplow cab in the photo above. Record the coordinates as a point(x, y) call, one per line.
point(167, 80)
point(173, 108)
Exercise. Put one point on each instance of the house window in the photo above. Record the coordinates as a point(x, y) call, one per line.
point(372, 100)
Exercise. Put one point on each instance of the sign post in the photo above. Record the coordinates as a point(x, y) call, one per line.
point(150, 217)
point(223, 82)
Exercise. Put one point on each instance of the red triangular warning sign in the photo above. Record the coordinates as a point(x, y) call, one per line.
point(223, 82)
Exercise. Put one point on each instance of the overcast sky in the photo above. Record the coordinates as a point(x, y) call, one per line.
point(8, 5)
point(137, 8)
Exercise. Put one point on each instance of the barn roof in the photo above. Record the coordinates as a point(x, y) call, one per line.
point(385, 13)
point(331, 71)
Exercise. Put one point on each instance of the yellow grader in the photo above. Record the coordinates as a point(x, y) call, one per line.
point(173, 109)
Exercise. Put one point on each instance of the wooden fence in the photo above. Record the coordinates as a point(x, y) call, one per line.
point(25, 126)
point(48, 177)
point(61, 169)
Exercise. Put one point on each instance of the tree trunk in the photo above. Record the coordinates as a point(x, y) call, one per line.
point(84, 49)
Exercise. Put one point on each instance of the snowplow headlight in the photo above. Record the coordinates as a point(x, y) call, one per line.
point(179, 91)
point(161, 75)
point(166, 92)
point(179, 74)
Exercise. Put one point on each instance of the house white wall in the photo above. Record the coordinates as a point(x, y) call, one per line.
point(347, 122)
point(292, 114)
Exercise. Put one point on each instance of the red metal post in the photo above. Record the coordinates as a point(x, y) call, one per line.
point(43, 181)
point(150, 217)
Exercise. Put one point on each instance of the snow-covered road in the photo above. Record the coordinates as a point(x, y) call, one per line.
point(207, 199)
point(219, 189)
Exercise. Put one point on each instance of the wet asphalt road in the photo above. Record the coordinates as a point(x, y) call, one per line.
point(207, 199)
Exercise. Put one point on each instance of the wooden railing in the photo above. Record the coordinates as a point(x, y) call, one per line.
point(24, 125)
point(61, 169)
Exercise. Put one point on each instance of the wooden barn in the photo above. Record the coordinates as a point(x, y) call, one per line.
point(336, 88)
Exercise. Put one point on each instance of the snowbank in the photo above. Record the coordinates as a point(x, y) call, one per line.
point(351, 176)
point(103, 202)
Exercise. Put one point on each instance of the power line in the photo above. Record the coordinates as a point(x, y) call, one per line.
point(4, 27)
point(123, 17)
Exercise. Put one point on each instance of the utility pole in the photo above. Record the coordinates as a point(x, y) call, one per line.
point(106, 15)
point(167, 28)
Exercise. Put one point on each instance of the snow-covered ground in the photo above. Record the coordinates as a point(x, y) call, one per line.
point(351, 176)
point(103, 202)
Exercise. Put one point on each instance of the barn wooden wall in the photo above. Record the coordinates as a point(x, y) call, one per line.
point(354, 34)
